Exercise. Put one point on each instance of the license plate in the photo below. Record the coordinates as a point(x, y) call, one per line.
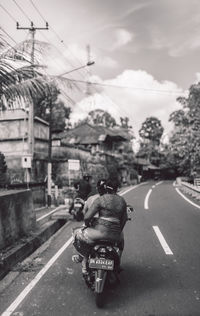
point(101, 263)
point(78, 205)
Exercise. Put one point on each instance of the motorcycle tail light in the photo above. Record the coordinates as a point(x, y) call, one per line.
point(102, 250)
point(109, 248)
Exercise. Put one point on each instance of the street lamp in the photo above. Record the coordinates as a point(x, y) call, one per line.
point(89, 63)
point(49, 170)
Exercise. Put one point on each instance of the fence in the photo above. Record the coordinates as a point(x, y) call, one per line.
point(192, 189)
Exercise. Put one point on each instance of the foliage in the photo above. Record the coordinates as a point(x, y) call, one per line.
point(185, 140)
point(150, 152)
point(151, 130)
point(49, 102)
point(99, 117)
point(3, 169)
point(150, 133)
point(124, 121)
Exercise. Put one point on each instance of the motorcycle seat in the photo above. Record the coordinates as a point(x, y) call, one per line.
point(106, 242)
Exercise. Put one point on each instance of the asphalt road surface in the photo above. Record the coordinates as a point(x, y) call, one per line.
point(161, 263)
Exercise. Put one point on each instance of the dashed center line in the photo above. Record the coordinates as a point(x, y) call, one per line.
point(162, 241)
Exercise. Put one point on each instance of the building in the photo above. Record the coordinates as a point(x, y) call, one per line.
point(14, 145)
point(109, 150)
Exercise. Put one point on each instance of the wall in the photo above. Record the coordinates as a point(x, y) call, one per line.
point(17, 216)
point(14, 144)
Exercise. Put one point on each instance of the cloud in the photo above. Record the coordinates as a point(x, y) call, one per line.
point(121, 38)
point(139, 97)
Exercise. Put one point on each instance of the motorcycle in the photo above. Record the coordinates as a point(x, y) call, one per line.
point(77, 210)
point(103, 264)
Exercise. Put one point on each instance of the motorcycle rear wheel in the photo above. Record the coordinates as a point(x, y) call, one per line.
point(99, 299)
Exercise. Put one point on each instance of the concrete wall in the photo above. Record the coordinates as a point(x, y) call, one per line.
point(14, 144)
point(17, 217)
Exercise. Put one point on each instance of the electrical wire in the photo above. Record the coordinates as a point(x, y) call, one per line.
point(55, 33)
point(8, 35)
point(10, 15)
point(126, 87)
point(24, 13)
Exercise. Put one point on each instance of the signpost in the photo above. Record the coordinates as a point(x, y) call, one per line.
point(27, 165)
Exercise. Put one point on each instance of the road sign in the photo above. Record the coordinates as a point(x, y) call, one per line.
point(73, 164)
point(26, 162)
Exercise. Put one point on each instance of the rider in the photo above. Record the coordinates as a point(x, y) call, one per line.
point(112, 217)
point(83, 189)
point(101, 189)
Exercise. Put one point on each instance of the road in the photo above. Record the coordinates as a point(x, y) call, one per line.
point(161, 263)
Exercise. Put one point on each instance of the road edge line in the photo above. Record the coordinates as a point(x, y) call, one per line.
point(37, 278)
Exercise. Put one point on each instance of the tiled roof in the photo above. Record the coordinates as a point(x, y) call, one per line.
point(88, 134)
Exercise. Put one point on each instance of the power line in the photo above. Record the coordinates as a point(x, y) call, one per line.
point(10, 15)
point(8, 35)
point(24, 13)
point(125, 87)
point(56, 34)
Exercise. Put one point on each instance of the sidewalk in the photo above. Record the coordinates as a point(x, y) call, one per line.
point(48, 222)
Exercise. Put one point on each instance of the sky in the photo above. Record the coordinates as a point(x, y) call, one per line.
point(146, 52)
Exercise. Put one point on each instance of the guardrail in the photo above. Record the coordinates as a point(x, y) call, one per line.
point(191, 189)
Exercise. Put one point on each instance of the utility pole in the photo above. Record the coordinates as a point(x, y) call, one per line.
point(32, 30)
point(49, 167)
point(88, 90)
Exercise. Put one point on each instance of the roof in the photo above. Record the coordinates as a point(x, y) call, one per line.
point(87, 134)
point(152, 167)
point(142, 161)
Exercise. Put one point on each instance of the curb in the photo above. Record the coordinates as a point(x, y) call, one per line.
point(20, 252)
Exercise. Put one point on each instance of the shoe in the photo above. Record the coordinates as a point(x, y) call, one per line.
point(85, 271)
point(77, 258)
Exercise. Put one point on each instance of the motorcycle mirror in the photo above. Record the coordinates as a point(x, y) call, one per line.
point(130, 209)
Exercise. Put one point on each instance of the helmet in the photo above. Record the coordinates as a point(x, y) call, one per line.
point(86, 177)
point(112, 185)
point(101, 186)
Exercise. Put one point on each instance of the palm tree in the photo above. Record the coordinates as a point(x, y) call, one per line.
point(19, 81)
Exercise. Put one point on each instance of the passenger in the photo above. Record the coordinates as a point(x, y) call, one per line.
point(101, 189)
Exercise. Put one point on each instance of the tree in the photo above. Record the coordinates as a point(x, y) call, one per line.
point(185, 140)
point(125, 122)
point(151, 130)
point(100, 117)
point(50, 101)
point(19, 79)
point(150, 133)
point(3, 169)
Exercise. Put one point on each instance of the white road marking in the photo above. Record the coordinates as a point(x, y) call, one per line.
point(185, 198)
point(162, 241)
point(31, 285)
point(159, 182)
point(51, 212)
point(132, 188)
point(146, 206)
point(37, 278)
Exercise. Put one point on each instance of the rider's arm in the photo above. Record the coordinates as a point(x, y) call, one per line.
point(124, 218)
point(85, 209)
point(93, 209)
